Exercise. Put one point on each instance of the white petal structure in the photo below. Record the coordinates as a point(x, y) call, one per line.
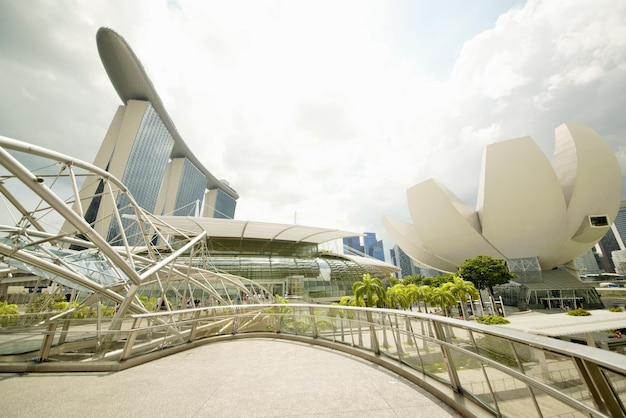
point(526, 206)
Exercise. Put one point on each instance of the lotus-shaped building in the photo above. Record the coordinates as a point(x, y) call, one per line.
point(535, 214)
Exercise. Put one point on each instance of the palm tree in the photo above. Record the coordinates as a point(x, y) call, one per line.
point(403, 296)
point(444, 298)
point(419, 295)
point(350, 316)
point(461, 289)
point(398, 295)
point(347, 301)
point(369, 291)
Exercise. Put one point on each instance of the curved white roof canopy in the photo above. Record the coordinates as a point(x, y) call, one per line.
point(526, 206)
point(230, 228)
point(132, 83)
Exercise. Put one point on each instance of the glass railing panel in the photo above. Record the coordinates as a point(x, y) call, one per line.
point(495, 348)
point(333, 328)
point(513, 398)
point(395, 336)
point(360, 327)
point(211, 327)
point(408, 343)
point(618, 385)
point(552, 407)
point(324, 324)
point(293, 320)
point(350, 328)
point(433, 363)
point(420, 341)
point(24, 344)
point(555, 370)
point(78, 345)
point(253, 320)
point(422, 327)
point(458, 336)
point(303, 321)
point(343, 326)
point(386, 334)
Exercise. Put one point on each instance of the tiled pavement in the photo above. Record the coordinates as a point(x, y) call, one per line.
point(239, 378)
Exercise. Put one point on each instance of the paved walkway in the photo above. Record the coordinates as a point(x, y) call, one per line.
point(241, 378)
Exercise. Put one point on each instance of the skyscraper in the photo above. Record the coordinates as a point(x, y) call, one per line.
point(403, 261)
point(371, 247)
point(145, 151)
point(619, 225)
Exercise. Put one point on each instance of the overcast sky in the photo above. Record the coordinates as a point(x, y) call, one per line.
point(324, 112)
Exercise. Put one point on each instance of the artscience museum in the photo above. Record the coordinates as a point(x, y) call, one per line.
point(535, 214)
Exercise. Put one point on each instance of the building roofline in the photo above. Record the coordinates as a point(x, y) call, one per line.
point(241, 229)
point(131, 82)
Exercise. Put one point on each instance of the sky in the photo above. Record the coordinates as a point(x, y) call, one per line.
point(323, 113)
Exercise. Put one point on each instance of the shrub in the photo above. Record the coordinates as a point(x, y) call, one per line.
point(492, 320)
point(8, 313)
point(578, 312)
point(616, 309)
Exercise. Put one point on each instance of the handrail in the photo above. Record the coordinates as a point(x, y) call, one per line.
point(500, 371)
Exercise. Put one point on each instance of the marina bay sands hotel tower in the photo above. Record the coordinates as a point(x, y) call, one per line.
point(144, 150)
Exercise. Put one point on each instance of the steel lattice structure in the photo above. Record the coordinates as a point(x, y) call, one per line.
point(43, 232)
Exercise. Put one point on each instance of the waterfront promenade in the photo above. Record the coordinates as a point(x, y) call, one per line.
point(250, 377)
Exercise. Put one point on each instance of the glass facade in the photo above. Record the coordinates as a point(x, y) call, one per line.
point(316, 277)
point(607, 245)
point(224, 206)
point(587, 264)
point(144, 172)
point(191, 189)
point(403, 261)
point(354, 243)
point(620, 223)
point(527, 269)
point(372, 247)
point(284, 267)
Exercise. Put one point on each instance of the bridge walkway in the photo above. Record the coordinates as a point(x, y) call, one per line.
point(249, 377)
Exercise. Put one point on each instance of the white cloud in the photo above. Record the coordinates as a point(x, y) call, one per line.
point(313, 110)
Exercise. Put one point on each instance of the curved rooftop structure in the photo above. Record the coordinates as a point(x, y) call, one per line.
point(132, 83)
point(231, 228)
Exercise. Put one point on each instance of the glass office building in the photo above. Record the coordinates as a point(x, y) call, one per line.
point(371, 246)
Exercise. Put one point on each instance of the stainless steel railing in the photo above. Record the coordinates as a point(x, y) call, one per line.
point(501, 371)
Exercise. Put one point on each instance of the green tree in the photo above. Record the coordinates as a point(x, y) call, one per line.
point(415, 279)
point(419, 294)
point(437, 280)
point(443, 298)
point(369, 291)
point(485, 272)
point(398, 295)
point(461, 289)
point(394, 280)
point(347, 301)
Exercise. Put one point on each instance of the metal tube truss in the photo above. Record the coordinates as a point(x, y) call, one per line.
point(46, 238)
